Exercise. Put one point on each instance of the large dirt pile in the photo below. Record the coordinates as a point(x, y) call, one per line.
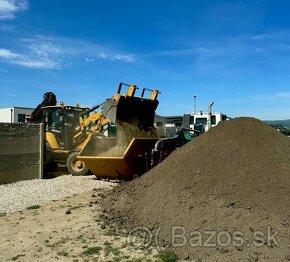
point(233, 180)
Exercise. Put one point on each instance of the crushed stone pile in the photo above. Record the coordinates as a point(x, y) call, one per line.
point(23, 194)
point(224, 196)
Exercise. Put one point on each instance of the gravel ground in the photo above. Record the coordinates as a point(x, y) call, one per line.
point(20, 195)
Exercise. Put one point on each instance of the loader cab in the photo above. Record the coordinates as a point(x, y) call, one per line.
point(60, 125)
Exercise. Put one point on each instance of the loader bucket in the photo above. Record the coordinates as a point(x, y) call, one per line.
point(135, 110)
point(135, 159)
point(129, 153)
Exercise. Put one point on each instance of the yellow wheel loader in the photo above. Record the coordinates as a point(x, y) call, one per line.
point(120, 142)
point(67, 129)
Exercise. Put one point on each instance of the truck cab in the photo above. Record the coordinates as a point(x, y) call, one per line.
point(202, 121)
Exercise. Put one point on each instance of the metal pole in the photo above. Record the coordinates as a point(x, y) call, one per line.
point(41, 150)
point(194, 104)
point(11, 110)
point(209, 114)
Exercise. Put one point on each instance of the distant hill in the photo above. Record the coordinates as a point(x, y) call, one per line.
point(285, 123)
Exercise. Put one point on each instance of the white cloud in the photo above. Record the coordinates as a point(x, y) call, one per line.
point(72, 48)
point(45, 49)
point(35, 60)
point(280, 95)
point(231, 48)
point(42, 52)
point(7, 54)
point(124, 58)
point(92, 52)
point(8, 8)
point(38, 64)
point(89, 59)
point(111, 56)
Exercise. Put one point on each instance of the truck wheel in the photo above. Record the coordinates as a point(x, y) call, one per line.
point(74, 166)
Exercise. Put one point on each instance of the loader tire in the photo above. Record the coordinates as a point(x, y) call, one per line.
point(74, 166)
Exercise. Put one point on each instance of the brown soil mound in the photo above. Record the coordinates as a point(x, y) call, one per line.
point(234, 180)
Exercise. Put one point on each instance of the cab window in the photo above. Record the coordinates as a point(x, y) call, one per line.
point(213, 120)
point(201, 121)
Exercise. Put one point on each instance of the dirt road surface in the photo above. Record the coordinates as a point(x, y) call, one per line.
point(69, 229)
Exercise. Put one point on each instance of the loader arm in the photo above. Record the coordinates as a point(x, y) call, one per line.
point(94, 121)
point(93, 124)
point(49, 99)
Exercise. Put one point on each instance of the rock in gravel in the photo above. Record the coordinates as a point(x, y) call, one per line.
point(68, 212)
point(21, 195)
point(198, 198)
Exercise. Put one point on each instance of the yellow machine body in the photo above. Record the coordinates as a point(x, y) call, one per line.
point(132, 162)
point(51, 140)
point(67, 131)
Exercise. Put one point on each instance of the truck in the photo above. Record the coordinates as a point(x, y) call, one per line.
point(203, 121)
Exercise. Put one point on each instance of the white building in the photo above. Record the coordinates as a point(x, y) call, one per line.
point(167, 126)
point(14, 114)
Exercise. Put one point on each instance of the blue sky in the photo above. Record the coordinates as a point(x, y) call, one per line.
point(236, 53)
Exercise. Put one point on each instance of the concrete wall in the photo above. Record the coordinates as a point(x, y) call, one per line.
point(21, 152)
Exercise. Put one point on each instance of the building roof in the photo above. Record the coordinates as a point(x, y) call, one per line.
point(17, 107)
point(170, 118)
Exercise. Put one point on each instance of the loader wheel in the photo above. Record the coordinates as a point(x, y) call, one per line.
point(74, 166)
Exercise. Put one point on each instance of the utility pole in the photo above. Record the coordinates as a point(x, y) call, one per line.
point(194, 104)
point(209, 114)
point(11, 114)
